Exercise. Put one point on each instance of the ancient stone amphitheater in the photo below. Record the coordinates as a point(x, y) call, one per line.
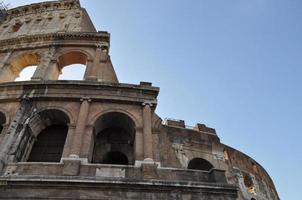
point(97, 138)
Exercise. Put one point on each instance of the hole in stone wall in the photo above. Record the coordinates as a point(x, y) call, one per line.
point(16, 27)
point(200, 164)
point(73, 72)
point(26, 73)
point(248, 182)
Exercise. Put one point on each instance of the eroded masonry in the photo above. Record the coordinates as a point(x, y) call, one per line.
point(97, 138)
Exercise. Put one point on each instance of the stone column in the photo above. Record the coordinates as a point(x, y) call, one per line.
point(52, 71)
point(88, 143)
point(68, 141)
point(92, 66)
point(76, 145)
point(147, 129)
point(48, 66)
point(139, 144)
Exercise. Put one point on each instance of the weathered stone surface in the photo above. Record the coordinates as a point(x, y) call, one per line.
point(71, 167)
point(116, 147)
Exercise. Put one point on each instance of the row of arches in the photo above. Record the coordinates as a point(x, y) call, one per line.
point(113, 139)
point(70, 66)
point(114, 135)
point(71, 72)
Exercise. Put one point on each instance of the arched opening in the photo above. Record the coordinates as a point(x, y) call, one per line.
point(73, 72)
point(200, 164)
point(49, 145)
point(26, 73)
point(114, 139)
point(16, 66)
point(2, 121)
point(72, 66)
point(52, 127)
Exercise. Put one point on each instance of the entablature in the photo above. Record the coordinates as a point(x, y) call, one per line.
point(42, 7)
point(56, 39)
point(76, 90)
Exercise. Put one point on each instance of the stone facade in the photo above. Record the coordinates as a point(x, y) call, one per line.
point(98, 138)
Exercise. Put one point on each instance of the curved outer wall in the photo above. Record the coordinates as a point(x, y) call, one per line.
point(55, 34)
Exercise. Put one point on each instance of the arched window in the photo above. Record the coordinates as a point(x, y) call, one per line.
point(114, 139)
point(2, 121)
point(73, 72)
point(26, 73)
point(24, 63)
point(200, 164)
point(49, 145)
point(52, 130)
point(72, 66)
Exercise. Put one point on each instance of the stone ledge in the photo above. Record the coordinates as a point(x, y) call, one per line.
point(87, 180)
point(74, 168)
point(53, 37)
point(96, 91)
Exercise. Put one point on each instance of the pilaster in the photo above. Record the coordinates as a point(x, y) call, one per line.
point(77, 140)
point(147, 130)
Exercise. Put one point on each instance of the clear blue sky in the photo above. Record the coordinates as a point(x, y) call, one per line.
point(234, 65)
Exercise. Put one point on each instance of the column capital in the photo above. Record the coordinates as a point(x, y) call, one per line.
point(85, 99)
point(147, 103)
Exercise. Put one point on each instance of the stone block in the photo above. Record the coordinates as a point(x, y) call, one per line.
point(71, 167)
point(110, 172)
point(149, 171)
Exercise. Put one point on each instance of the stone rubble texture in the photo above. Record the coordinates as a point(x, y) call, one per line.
point(55, 34)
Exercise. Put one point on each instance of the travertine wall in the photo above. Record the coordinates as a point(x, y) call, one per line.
point(45, 18)
point(56, 34)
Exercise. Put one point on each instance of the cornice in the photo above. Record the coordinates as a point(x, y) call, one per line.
point(42, 7)
point(55, 38)
point(96, 91)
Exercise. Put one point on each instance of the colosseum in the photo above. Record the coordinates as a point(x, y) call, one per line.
point(98, 138)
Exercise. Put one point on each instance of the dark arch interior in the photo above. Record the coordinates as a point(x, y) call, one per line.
point(49, 145)
point(114, 139)
point(2, 121)
point(116, 158)
point(253, 199)
point(200, 164)
point(52, 130)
